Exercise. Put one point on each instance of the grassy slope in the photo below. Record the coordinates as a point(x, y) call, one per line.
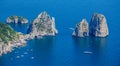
point(7, 33)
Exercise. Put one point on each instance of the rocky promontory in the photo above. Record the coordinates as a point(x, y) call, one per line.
point(17, 19)
point(43, 25)
point(98, 26)
point(9, 39)
point(82, 29)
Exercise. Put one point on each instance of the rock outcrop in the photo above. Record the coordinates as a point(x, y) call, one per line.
point(17, 19)
point(82, 29)
point(9, 39)
point(43, 25)
point(98, 26)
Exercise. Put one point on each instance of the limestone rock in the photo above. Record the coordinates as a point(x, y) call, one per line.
point(98, 26)
point(43, 25)
point(9, 39)
point(17, 19)
point(81, 29)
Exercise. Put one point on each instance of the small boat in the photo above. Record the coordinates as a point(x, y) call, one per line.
point(22, 55)
point(87, 52)
point(32, 57)
point(17, 56)
point(25, 53)
point(71, 28)
point(31, 50)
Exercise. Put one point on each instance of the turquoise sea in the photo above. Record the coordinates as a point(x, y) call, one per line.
point(63, 49)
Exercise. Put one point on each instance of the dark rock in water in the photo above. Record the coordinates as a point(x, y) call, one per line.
point(98, 26)
point(81, 29)
point(43, 25)
point(17, 19)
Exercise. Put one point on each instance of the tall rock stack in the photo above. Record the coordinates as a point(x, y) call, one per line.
point(98, 26)
point(41, 26)
point(81, 29)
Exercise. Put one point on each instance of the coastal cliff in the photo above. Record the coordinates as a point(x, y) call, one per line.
point(81, 29)
point(43, 25)
point(17, 19)
point(98, 26)
point(9, 39)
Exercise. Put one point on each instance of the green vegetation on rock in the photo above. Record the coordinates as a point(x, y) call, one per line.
point(13, 17)
point(7, 33)
point(16, 19)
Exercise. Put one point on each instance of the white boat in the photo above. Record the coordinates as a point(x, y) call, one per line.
point(87, 52)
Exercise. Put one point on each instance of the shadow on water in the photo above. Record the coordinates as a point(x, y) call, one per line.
point(81, 42)
point(93, 44)
point(97, 46)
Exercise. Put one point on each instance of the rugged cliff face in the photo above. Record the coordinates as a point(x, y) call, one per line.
point(81, 29)
point(98, 26)
point(17, 19)
point(9, 39)
point(43, 25)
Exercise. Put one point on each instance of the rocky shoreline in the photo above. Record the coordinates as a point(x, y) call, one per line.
point(5, 48)
point(43, 25)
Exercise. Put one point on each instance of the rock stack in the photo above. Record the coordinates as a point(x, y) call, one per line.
point(43, 25)
point(97, 28)
point(81, 29)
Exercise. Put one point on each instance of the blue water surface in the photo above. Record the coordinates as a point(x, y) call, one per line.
point(63, 49)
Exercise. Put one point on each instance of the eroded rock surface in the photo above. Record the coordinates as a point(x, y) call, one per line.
point(17, 19)
point(43, 25)
point(98, 26)
point(81, 29)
